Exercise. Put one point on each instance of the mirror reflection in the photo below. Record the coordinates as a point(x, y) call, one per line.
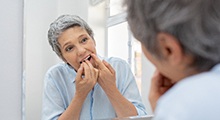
point(108, 26)
point(86, 85)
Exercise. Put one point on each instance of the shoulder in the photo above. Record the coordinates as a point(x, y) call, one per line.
point(59, 74)
point(58, 69)
point(187, 97)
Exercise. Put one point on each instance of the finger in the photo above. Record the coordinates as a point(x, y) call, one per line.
point(79, 73)
point(96, 72)
point(164, 89)
point(98, 62)
point(89, 64)
point(90, 67)
point(110, 68)
point(87, 70)
point(157, 79)
point(167, 82)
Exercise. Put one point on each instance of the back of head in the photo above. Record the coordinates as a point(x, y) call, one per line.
point(195, 24)
point(61, 24)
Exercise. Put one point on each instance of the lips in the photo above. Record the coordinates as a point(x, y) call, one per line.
point(87, 58)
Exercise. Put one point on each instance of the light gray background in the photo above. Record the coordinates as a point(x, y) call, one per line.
point(11, 31)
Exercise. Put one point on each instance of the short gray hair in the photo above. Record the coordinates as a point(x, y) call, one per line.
point(61, 24)
point(195, 23)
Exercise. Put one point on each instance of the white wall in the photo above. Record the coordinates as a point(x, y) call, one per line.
point(11, 13)
point(38, 54)
point(97, 21)
point(147, 73)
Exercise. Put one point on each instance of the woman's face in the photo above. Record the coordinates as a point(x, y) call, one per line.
point(76, 45)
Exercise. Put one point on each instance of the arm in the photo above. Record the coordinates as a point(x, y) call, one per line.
point(122, 106)
point(53, 106)
point(83, 87)
point(107, 80)
point(73, 110)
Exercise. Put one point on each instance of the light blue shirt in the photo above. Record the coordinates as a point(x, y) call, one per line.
point(193, 98)
point(59, 90)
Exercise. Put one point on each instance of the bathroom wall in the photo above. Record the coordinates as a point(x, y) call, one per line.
point(11, 32)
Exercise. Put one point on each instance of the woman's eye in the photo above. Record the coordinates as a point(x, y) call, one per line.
point(69, 48)
point(84, 40)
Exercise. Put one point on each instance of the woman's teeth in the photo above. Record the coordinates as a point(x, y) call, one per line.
point(87, 58)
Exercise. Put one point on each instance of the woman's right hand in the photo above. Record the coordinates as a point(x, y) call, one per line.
point(86, 78)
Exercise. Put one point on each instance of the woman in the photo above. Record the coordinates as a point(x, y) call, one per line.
point(181, 38)
point(86, 86)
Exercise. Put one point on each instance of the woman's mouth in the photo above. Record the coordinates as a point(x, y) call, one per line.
point(87, 58)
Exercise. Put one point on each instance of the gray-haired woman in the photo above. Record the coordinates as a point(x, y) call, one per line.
point(182, 39)
point(86, 86)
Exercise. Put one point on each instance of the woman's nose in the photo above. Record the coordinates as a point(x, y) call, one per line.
point(81, 50)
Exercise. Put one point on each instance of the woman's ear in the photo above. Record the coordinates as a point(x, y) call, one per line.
point(170, 48)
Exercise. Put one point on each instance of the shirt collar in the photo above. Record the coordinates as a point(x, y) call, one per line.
point(216, 68)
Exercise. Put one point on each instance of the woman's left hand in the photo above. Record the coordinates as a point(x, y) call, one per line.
point(107, 80)
point(159, 85)
point(107, 76)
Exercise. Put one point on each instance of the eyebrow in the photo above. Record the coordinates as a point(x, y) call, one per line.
point(77, 38)
point(82, 36)
point(65, 44)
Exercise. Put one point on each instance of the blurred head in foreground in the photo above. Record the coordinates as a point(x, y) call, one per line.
point(180, 37)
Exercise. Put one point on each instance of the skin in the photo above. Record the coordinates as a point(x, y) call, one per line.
point(76, 45)
point(174, 66)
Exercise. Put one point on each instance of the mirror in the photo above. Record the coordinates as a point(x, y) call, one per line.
point(38, 55)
